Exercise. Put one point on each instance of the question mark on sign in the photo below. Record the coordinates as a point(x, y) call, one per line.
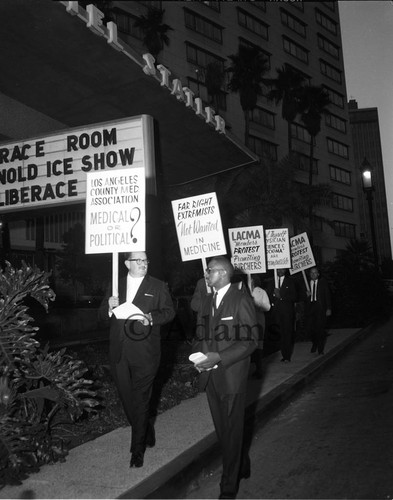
point(134, 240)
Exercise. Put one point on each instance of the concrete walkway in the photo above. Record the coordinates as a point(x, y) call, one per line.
point(100, 468)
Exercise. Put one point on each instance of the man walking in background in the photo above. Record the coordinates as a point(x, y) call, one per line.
point(318, 309)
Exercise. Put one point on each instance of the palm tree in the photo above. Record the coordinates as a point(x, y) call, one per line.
point(214, 81)
point(287, 89)
point(247, 69)
point(154, 30)
point(313, 104)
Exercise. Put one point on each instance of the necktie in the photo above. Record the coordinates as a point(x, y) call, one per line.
point(214, 308)
point(314, 292)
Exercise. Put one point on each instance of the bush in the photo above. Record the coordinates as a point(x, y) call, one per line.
point(35, 385)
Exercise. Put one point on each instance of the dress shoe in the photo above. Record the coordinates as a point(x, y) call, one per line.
point(285, 360)
point(245, 474)
point(136, 459)
point(150, 437)
point(227, 494)
point(321, 353)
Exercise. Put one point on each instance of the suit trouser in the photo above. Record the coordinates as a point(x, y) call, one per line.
point(228, 417)
point(286, 320)
point(134, 383)
point(315, 325)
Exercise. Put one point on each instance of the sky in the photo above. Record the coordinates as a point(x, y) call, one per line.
point(367, 39)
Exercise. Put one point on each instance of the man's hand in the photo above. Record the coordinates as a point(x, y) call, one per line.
point(113, 302)
point(328, 312)
point(212, 359)
point(146, 320)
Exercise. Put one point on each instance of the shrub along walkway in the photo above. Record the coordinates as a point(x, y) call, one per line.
point(100, 468)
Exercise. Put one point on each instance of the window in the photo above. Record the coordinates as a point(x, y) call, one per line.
point(307, 78)
point(253, 24)
point(203, 26)
point(201, 58)
point(262, 148)
point(260, 5)
point(330, 71)
point(298, 4)
point(125, 24)
point(213, 5)
point(304, 163)
point(295, 50)
point(336, 122)
point(293, 23)
point(30, 229)
point(340, 175)
point(200, 90)
point(337, 148)
point(342, 202)
point(335, 97)
point(299, 132)
point(326, 22)
point(263, 117)
point(55, 225)
point(330, 5)
point(328, 47)
point(247, 43)
point(344, 229)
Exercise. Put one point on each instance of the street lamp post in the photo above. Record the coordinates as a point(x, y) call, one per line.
point(368, 188)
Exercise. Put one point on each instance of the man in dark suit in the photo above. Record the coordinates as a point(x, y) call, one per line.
point(227, 333)
point(283, 298)
point(318, 309)
point(135, 346)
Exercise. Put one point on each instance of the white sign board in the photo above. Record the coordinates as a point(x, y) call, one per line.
point(248, 249)
point(302, 256)
point(115, 211)
point(278, 248)
point(198, 227)
point(51, 170)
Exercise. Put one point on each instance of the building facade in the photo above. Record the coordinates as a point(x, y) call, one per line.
point(304, 35)
point(94, 84)
point(366, 139)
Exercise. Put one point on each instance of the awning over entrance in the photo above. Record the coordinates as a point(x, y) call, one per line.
point(53, 63)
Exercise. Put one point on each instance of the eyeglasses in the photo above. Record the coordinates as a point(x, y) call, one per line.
point(209, 270)
point(139, 261)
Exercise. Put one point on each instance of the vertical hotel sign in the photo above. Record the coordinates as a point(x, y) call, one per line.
point(51, 170)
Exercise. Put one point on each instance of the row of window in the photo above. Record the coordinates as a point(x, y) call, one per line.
point(55, 226)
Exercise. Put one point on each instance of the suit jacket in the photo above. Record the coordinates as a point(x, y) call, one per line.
point(152, 297)
point(323, 294)
point(233, 333)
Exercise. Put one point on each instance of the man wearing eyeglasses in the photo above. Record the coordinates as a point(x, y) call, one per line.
point(135, 346)
point(227, 333)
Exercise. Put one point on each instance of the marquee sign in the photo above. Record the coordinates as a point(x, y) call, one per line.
point(47, 171)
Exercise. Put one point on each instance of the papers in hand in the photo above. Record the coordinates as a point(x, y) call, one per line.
point(198, 357)
point(126, 310)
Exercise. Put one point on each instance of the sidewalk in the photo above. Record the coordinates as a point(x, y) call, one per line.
point(100, 468)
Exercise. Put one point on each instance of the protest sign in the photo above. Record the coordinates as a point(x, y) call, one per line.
point(248, 249)
point(198, 227)
point(115, 211)
point(301, 252)
point(278, 248)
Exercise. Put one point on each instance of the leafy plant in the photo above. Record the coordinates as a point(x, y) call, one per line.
point(35, 384)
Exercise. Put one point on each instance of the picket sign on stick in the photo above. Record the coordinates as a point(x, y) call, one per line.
point(204, 266)
point(305, 280)
point(115, 274)
point(249, 281)
point(275, 278)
